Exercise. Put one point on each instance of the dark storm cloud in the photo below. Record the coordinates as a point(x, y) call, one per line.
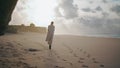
point(116, 9)
point(69, 9)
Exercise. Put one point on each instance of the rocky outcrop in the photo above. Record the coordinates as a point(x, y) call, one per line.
point(21, 28)
point(6, 9)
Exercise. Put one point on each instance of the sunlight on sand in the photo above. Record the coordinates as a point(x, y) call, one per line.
point(29, 50)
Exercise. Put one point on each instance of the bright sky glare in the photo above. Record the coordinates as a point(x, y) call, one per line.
point(40, 12)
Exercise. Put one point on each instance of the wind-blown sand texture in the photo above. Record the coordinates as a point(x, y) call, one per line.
point(29, 50)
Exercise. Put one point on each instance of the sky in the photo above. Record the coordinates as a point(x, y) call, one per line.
point(80, 17)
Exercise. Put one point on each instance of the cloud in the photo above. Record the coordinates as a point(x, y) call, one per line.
point(69, 10)
point(98, 8)
point(116, 9)
point(93, 25)
point(101, 22)
point(75, 18)
point(105, 14)
point(90, 2)
point(19, 16)
point(57, 12)
point(104, 1)
point(87, 10)
point(21, 5)
point(92, 22)
point(90, 25)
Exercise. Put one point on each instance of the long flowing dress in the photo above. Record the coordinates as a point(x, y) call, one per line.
point(50, 34)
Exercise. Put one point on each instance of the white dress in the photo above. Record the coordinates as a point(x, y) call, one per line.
point(50, 34)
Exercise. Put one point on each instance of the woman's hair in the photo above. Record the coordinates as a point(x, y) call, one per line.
point(52, 23)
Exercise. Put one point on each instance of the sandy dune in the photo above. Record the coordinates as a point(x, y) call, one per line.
point(29, 50)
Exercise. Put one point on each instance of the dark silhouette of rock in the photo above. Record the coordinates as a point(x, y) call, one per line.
point(6, 9)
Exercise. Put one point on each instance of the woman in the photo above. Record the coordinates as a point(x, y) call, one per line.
point(50, 34)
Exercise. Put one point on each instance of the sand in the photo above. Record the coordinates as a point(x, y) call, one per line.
point(30, 50)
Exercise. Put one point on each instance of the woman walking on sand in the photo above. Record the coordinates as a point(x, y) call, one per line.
point(50, 34)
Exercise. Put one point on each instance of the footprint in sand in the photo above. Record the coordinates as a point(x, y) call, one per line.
point(81, 49)
point(16, 42)
point(1, 47)
point(95, 61)
point(58, 57)
point(71, 51)
point(64, 60)
point(25, 65)
point(80, 61)
point(20, 44)
point(21, 58)
point(70, 63)
point(88, 56)
point(82, 58)
point(75, 55)
point(34, 54)
point(9, 44)
point(101, 65)
point(84, 52)
point(86, 66)
point(58, 67)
